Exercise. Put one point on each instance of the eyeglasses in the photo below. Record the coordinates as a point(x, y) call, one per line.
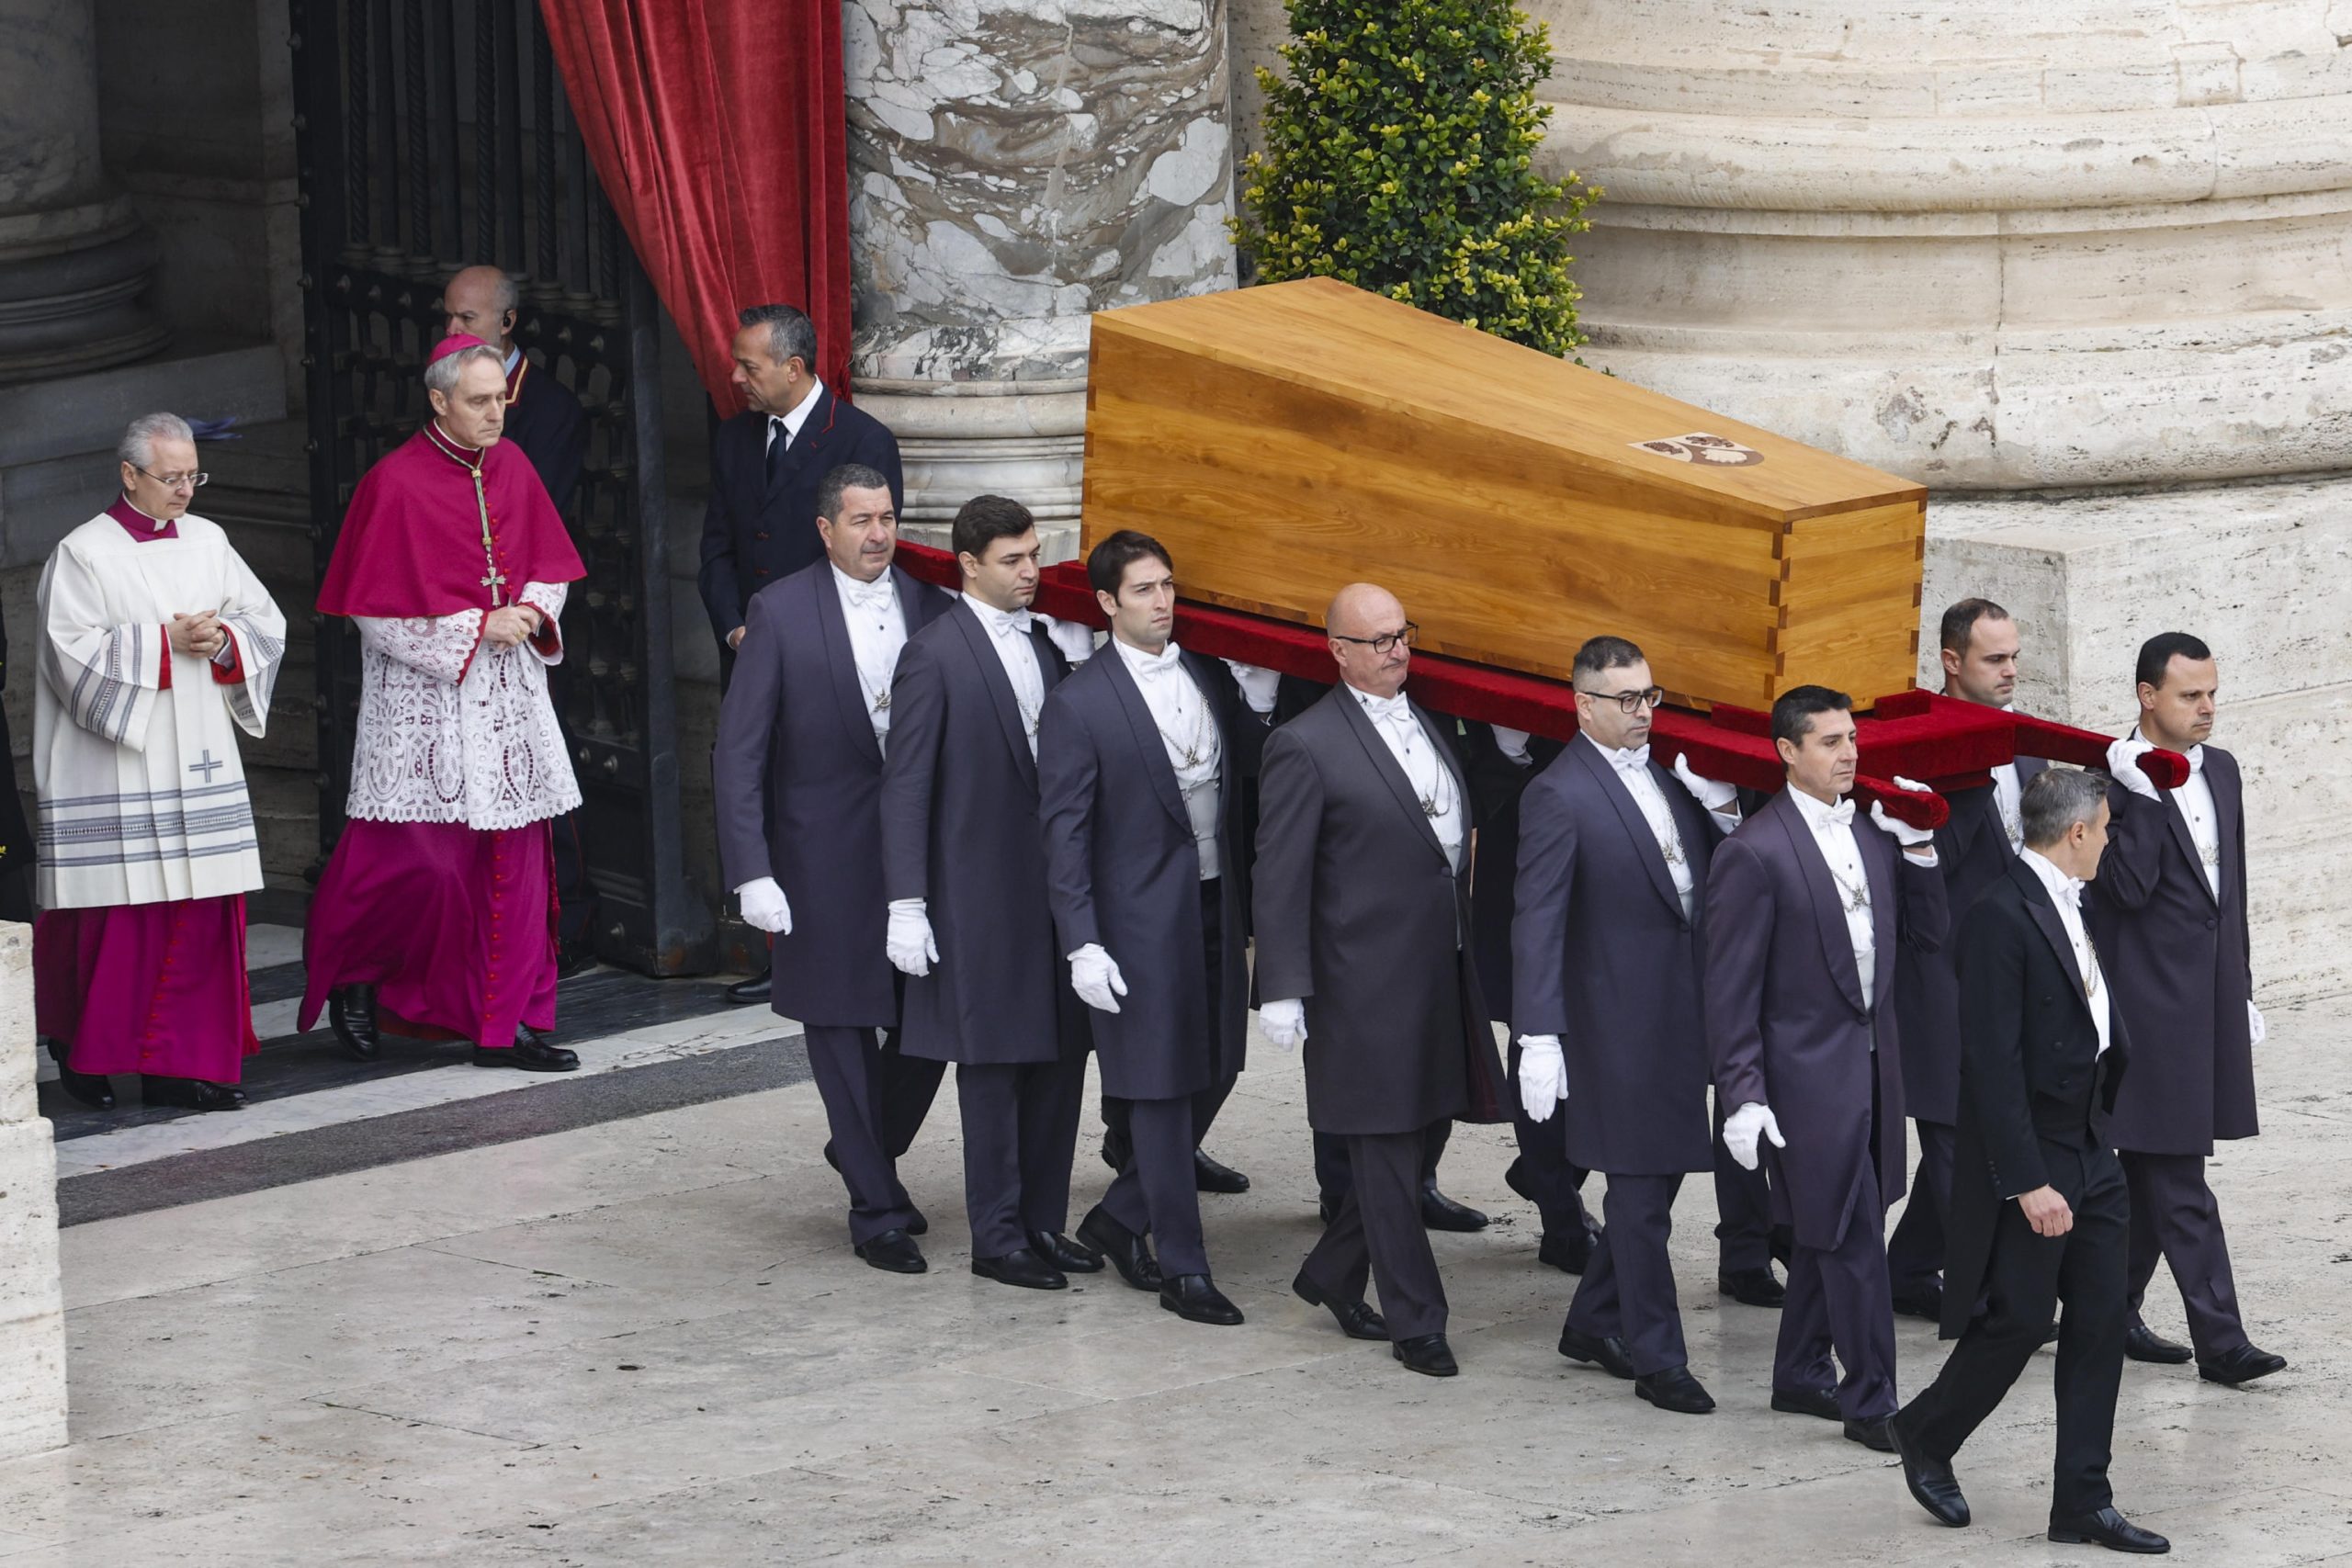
point(1629, 702)
point(1386, 641)
point(173, 481)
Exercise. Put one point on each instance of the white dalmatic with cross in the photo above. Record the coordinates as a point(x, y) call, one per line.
point(141, 787)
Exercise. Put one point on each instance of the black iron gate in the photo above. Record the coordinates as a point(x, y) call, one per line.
point(420, 151)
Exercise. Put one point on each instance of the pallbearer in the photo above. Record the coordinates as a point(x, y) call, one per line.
point(157, 644)
point(1145, 874)
point(1608, 941)
point(437, 904)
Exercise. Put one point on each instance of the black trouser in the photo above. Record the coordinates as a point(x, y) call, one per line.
point(1628, 1287)
point(2026, 1277)
point(875, 1101)
point(1543, 1166)
point(1377, 1231)
point(1332, 1177)
point(1914, 1253)
point(1020, 1130)
point(2174, 1216)
point(1155, 1192)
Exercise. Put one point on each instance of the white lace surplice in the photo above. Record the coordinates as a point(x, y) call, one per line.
point(452, 729)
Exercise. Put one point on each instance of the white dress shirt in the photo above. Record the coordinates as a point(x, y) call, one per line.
point(1833, 829)
point(2068, 893)
point(1632, 765)
point(1180, 712)
point(2195, 799)
point(790, 424)
point(1009, 635)
point(877, 630)
point(2008, 798)
point(1416, 751)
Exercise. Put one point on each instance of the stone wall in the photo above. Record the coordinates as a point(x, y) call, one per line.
point(32, 1312)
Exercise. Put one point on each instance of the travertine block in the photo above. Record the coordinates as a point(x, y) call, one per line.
point(32, 1319)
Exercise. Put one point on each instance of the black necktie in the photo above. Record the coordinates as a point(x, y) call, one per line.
point(778, 439)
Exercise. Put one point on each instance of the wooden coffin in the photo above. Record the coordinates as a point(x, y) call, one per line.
point(1284, 441)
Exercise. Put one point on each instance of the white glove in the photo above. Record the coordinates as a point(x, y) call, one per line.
point(2257, 1030)
point(1285, 1023)
point(764, 908)
point(1542, 1075)
point(1257, 686)
point(1513, 743)
point(1713, 794)
point(1910, 838)
point(2123, 766)
point(1076, 641)
point(1742, 1127)
point(908, 940)
point(1094, 975)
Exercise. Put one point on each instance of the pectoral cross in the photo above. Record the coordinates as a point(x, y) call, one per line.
point(496, 578)
point(495, 582)
point(208, 767)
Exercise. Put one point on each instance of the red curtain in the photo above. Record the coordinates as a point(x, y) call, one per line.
point(718, 128)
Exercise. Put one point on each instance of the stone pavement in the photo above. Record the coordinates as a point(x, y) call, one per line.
point(645, 1341)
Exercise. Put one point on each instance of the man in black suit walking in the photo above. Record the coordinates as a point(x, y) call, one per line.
point(760, 524)
point(970, 922)
point(1145, 874)
point(2169, 912)
point(1974, 847)
point(2040, 1209)
point(799, 772)
point(1363, 929)
point(1608, 941)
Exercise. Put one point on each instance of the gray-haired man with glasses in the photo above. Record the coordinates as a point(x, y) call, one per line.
point(1606, 945)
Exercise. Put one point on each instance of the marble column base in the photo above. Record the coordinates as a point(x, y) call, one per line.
point(2262, 572)
point(960, 439)
point(32, 1312)
point(71, 284)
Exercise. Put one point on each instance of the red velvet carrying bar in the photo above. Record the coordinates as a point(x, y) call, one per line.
point(1934, 739)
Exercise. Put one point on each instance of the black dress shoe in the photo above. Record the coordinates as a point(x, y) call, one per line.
point(1069, 1256)
point(1753, 1287)
point(1932, 1484)
point(1569, 1251)
point(1117, 1149)
point(1923, 1298)
point(1356, 1320)
point(2108, 1528)
point(754, 989)
point(191, 1094)
point(894, 1251)
point(2242, 1365)
point(1023, 1268)
point(351, 1013)
point(1872, 1435)
point(1428, 1354)
point(2142, 1343)
point(92, 1090)
point(1440, 1212)
point(1209, 1175)
point(529, 1054)
point(1128, 1253)
point(918, 1226)
point(1607, 1354)
point(1193, 1299)
point(1821, 1401)
point(1675, 1389)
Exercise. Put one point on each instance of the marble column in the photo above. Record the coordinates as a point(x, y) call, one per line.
point(1015, 166)
point(74, 259)
point(32, 1312)
point(2082, 266)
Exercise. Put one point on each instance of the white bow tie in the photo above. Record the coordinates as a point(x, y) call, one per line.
point(2070, 893)
point(1154, 665)
point(1394, 709)
point(1632, 759)
point(1003, 623)
point(1840, 815)
point(2195, 755)
point(873, 595)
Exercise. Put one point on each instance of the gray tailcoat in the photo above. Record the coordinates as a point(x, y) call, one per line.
point(1602, 957)
point(1786, 1022)
point(2181, 964)
point(960, 829)
point(1359, 914)
point(1122, 870)
point(1973, 851)
point(799, 784)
